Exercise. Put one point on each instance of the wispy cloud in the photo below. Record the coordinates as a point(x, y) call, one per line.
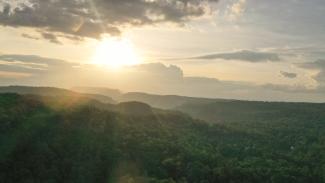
point(51, 37)
point(243, 55)
point(30, 36)
point(290, 75)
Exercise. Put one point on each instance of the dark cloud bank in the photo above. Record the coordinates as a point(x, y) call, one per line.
point(243, 55)
point(92, 18)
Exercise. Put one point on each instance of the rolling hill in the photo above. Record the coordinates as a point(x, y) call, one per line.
point(228, 111)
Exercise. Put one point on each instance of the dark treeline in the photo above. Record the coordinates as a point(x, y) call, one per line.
point(58, 139)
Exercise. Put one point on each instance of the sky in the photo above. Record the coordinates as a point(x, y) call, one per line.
point(239, 49)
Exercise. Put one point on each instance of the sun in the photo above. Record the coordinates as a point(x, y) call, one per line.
point(115, 53)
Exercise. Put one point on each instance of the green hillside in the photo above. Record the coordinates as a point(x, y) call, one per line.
point(62, 139)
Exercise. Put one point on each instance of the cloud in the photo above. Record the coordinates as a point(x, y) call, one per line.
point(236, 10)
point(33, 64)
point(318, 65)
point(34, 59)
point(243, 55)
point(171, 75)
point(288, 74)
point(37, 70)
point(51, 37)
point(160, 70)
point(93, 18)
point(29, 36)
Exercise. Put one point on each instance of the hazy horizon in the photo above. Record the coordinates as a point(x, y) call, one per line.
point(80, 89)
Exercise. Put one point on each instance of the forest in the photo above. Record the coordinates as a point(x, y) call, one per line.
point(77, 138)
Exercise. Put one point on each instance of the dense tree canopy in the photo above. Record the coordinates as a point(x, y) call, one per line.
point(55, 139)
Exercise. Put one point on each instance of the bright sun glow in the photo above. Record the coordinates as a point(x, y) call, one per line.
point(115, 53)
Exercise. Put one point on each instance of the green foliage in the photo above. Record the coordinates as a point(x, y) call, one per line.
point(63, 140)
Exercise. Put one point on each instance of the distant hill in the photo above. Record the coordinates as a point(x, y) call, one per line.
point(247, 111)
point(113, 93)
point(225, 110)
point(159, 101)
point(53, 91)
point(70, 139)
point(210, 110)
point(163, 101)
